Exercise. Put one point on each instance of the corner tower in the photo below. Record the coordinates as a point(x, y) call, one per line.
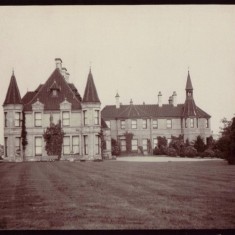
point(91, 121)
point(13, 108)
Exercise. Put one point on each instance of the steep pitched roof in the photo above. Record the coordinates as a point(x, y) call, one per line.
point(43, 94)
point(90, 94)
point(13, 93)
point(103, 124)
point(110, 112)
point(189, 85)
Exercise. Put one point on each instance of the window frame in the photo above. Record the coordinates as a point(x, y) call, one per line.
point(144, 124)
point(19, 142)
point(123, 124)
point(85, 143)
point(37, 146)
point(191, 122)
point(5, 119)
point(155, 145)
point(155, 123)
point(37, 119)
point(145, 146)
point(167, 124)
point(17, 119)
point(97, 145)
point(66, 145)
point(5, 146)
point(123, 145)
point(85, 118)
point(207, 123)
point(133, 125)
point(76, 145)
point(97, 117)
point(186, 123)
point(134, 145)
point(65, 119)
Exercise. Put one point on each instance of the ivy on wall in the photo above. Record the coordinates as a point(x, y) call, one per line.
point(24, 140)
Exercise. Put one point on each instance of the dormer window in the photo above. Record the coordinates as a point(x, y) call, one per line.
point(54, 89)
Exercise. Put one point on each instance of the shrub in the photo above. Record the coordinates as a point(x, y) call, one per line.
point(141, 149)
point(190, 151)
point(115, 147)
point(171, 152)
point(199, 144)
point(208, 153)
point(219, 154)
point(156, 151)
point(177, 143)
point(162, 141)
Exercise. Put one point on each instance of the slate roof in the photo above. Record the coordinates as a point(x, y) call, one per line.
point(43, 94)
point(13, 93)
point(103, 124)
point(90, 94)
point(110, 112)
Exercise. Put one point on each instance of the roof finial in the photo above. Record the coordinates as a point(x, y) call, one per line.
point(90, 67)
point(13, 71)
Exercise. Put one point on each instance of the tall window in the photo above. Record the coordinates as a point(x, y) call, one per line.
point(17, 144)
point(186, 123)
point(134, 145)
point(133, 124)
point(65, 118)
point(108, 123)
point(168, 123)
point(66, 145)
point(155, 124)
point(5, 146)
point(17, 119)
point(145, 144)
point(97, 117)
point(144, 126)
point(38, 119)
point(207, 123)
point(123, 145)
point(5, 119)
point(97, 145)
point(75, 144)
point(191, 122)
point(85, 144)
point(155, 142)
point(197, 122)
point(38, 146)
point(85, 118)
point(123, 124)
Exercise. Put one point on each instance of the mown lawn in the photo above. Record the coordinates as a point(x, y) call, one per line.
point(117, 195)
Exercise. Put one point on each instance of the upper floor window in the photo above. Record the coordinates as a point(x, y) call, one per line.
point(17, 119)
point(85, 117)
point(155, 124)
point(108, 124)
point(65, 118)
point(191, 122)
point(123, 124)
point(5, 119)
point(97, 117)
point(168, 123)
point(38, 119)
point(207, 123)
point(133, 124)
point(144, 124)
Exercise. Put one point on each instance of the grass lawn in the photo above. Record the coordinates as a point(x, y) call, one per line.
point(117, 195)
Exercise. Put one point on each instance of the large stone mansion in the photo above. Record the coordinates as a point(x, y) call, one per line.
point(56, 99)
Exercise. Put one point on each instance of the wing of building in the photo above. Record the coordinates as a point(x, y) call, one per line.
point(57, 101)
point(148, 121)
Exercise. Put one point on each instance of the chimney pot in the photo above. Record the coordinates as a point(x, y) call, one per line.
point(117, 101)
point(159, 99)
point(58, 63)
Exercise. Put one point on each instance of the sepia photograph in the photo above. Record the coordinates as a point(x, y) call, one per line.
point(117, 117)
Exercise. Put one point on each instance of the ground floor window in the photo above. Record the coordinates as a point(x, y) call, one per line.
point(155, 142)
point(38, 146)
point(66, 145)
point(134, 145)
point(123, 145)
point(85, 144)
point(75, 144)
point(17, 145)
point(168, 141)
point(5, 146)
point(97, 145)
point(145, 144)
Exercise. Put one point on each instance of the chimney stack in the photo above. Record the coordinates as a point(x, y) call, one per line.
point(159, 99)
point(170, 100)
point(58, 63)
point(174, 96)
point(117, 101)
point(63, 72)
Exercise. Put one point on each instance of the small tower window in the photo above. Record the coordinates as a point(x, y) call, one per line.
point(186, 123)
point(17, 119)
point(97, 117)
point(191, 122)
point(85, 117)
point(5, 119)
point(207, 123)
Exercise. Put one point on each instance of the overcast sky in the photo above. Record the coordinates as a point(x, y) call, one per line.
point(135, 50)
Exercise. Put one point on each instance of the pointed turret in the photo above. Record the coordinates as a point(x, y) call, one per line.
point(90, 94)
point(190, 108)
point(13, 93)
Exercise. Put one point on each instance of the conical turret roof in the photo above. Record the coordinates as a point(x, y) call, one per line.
point(90, 94)
point(189, 83)
point(13, 93)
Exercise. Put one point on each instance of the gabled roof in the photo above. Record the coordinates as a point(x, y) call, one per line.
point(189, 85)
point(110, 112)
point(90, 94)
point(13, 93)
point(43, 94)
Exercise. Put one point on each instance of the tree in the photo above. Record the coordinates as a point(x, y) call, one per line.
point(53, 137)
point(129, 137)
point(199, 144)
point(24, 140)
